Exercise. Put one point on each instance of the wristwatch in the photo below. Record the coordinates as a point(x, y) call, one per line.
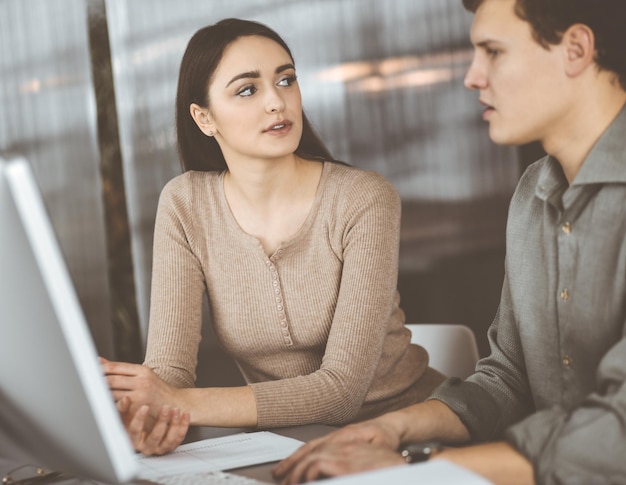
point(421, 451)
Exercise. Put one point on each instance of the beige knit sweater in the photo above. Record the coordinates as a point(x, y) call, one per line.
point(316, 328)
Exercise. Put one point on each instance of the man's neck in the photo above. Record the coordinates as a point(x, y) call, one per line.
point(585, 124)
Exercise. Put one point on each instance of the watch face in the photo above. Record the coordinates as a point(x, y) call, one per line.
point(417, 452)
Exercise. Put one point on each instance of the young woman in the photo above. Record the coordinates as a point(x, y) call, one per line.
point(298, 254)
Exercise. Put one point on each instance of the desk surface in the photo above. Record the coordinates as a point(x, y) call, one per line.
point(261, 472)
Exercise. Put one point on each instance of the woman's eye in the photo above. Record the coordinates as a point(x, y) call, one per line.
point(246, 91)
point(493, 53)
point(288, 81)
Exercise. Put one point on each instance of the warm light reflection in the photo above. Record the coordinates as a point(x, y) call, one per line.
point(374, 84)
point(398, 72)
point(36, 85)
point(346, 72)
point(32, 86)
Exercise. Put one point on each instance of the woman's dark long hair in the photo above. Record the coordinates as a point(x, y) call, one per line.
point(204, 52)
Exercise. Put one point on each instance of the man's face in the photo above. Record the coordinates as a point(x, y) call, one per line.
point(521, 84)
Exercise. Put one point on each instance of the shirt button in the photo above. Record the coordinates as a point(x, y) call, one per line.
point(564, 294)
point(566, 228)
point(567, 361)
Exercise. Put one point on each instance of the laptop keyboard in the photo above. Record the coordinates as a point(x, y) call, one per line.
point(203, 478)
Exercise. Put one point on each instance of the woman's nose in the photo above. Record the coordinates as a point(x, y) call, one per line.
point(274, 102)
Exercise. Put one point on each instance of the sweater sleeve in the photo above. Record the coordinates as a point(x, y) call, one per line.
point(366, 239)
point(177, 291)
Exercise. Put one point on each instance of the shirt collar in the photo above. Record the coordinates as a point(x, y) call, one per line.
point(605, 163)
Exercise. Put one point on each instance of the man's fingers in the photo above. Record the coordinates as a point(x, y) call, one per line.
point(282, 468)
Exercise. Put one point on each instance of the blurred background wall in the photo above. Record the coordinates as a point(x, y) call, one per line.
point(87, 94)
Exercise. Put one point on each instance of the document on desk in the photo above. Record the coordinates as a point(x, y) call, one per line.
point(216, 454)
point(433, 472)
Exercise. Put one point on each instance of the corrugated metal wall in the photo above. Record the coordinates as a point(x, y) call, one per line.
point(381, 81)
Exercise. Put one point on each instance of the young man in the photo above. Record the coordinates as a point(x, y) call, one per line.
point(549, 404)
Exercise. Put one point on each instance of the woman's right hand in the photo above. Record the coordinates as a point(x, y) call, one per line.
point(153, 436)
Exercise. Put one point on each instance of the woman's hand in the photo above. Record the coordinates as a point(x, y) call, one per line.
point(153, 436)
point(148, 407)
point(140, 385)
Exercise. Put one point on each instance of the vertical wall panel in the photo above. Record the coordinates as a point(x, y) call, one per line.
point(47, 113)
point(382, 82)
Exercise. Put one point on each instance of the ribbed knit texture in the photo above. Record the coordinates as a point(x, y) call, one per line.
point(316, 328)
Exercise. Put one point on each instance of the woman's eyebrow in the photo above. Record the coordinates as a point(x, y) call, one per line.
point(244, 75)
point(256, 74)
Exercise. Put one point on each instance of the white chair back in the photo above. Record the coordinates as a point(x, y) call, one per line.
point(451, 347)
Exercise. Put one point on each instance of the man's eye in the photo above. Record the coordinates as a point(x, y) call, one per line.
point(246, 91)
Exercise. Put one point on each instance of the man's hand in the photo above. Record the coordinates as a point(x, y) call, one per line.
point(330, 459)
point(334, 451)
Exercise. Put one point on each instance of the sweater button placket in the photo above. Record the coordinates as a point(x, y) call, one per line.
point(282, 317)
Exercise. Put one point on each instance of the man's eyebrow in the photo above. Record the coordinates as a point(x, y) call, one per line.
point(486, 43)
point(256, 74)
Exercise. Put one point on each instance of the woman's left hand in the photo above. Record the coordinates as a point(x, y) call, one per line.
point(140, 385)
point(148, 407)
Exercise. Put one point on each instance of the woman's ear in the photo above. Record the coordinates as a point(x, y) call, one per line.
point(202, 118)
point(580, 49)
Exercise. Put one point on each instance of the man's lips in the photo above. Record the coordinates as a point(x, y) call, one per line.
point(488, 109)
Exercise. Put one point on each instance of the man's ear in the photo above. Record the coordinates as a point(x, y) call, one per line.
point(202, 118)
point(579, 47)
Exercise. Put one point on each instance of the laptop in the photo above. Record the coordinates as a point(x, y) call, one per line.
point(56, 410)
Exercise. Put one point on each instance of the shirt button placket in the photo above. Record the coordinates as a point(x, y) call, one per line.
point(565, 255)
point(566, 227)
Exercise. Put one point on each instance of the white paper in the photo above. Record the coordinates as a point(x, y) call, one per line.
point(224, 453)
point(435, 472)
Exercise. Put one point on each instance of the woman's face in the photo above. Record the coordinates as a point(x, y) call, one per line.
point(255, 106)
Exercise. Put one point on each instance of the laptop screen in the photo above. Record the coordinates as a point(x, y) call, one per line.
point(55, 406)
